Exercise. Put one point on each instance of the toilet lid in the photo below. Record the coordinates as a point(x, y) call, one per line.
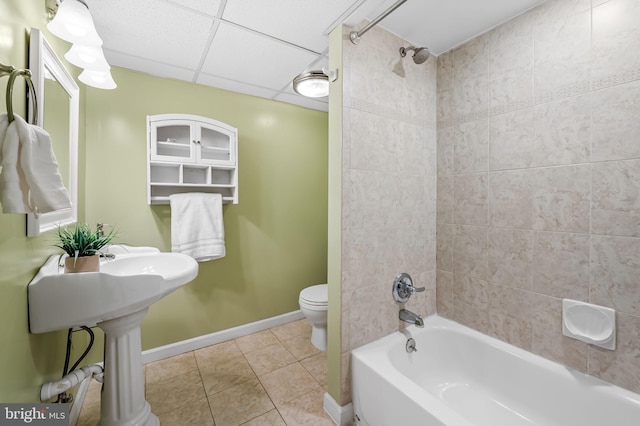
point(316, 294)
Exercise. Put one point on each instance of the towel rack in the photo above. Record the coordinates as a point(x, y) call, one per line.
point(13, 73)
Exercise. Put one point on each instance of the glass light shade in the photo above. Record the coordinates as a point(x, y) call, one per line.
point(87, 57)
point(74, 23)
point(313, 84)
point(97, 79)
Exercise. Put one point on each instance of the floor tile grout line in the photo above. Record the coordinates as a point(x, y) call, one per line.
point(275, 407)
point(311, 374)
point(293, 399)
point(210, 410)
point(248, 352)
point(270, 399)
point(173, 378)
point(273, 344)
point(226, 389)
point(299, 396)
point(258, 375)
point(206, 395)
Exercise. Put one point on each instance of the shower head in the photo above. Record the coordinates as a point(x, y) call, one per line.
point(420, 54)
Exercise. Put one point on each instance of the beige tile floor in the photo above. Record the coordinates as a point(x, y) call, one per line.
point(271, 378)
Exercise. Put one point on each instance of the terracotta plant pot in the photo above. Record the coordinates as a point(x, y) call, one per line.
point(82, 264)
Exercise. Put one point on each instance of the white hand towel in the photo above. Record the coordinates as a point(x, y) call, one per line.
point(30, 181)
point(196, 225)
point(14, 192)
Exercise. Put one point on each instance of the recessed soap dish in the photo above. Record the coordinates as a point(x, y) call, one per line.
point(589, 323)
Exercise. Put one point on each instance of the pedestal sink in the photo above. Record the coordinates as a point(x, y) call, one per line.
point(115, 299)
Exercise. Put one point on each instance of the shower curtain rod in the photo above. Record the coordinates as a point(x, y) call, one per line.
point(354, 36)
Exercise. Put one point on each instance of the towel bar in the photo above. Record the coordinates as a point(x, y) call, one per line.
point(13, 73)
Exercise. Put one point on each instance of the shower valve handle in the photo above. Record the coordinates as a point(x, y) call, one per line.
point(417, 289)
point(403, 288)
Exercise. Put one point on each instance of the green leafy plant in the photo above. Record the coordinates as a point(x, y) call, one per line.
point(83, 240)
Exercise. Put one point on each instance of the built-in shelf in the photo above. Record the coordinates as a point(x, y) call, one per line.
point(165, 200)
point(194, 185)
point(188, 153)
point(213, 148)
point(173, 145)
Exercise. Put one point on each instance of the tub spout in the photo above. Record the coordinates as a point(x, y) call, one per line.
point(411, 318)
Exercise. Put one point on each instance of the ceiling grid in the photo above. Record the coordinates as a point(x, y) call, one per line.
point(257, 47)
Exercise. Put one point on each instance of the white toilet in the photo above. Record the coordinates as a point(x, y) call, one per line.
point(314, 303)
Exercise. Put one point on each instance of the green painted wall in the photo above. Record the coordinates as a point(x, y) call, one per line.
point(26, 360)
point(276, 237)
point(334, 254)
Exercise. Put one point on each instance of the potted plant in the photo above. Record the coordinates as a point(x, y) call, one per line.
point(82, 244)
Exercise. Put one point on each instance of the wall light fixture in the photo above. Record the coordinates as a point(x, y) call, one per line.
point(72, 22)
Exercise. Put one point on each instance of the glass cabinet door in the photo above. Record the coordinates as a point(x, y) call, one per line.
point(215, 145)
point(172, 140)
point(189, 153)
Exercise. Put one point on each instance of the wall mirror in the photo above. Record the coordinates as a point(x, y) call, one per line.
point(58, 108)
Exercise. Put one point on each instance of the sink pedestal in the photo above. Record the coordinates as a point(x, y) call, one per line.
point(123, 401)
point(116, 298)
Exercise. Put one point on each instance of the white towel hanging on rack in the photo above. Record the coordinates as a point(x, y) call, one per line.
point(197, 228)
point(30, 181)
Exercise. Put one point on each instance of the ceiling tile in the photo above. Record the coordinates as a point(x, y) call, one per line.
point(235, 86)
point(152, 29)
point(241, 55)
point(300, 22)
point(319, 104)
point(261, 45)
point(157, 69)
point(319, 63)
point(210, 7)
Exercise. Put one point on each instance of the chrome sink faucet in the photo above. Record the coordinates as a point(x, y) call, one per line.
point(100, 228)
point(408, 316)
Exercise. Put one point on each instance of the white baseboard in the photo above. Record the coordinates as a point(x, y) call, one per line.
point(200, 342)
point(341, 415)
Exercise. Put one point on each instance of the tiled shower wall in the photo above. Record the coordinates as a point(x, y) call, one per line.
point(539, 180)
point(388, 189)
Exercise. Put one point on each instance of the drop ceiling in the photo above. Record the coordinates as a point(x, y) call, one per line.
point(257, 47)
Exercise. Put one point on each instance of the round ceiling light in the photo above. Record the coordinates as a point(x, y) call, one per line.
point(312, 84)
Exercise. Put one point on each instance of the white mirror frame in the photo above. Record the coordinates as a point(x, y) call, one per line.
point(40, 55)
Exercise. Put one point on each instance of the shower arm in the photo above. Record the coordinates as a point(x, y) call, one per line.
point(354, 36)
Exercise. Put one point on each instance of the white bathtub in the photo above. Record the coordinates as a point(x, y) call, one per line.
point(460, 377)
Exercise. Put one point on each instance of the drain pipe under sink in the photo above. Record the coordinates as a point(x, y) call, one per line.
point(51, 389)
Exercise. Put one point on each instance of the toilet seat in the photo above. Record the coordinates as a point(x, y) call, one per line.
point(315, 296)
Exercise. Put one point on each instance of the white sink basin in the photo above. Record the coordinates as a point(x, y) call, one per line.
point(115, 299)
point(125, 284)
